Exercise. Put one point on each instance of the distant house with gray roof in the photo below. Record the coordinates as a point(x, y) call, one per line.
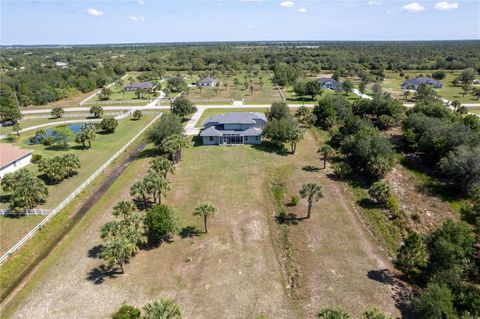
point(139, 85)
point(233, 128)
point(413, 84)
point(208, 81)
point(329, 83)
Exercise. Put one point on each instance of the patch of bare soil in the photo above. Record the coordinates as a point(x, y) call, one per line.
point(424, 212)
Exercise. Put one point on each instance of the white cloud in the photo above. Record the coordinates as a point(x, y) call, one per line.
point(140, 2)
point(444, 6)
point(302, 10)
point(374, 2)
point(413, 7)
point(137, 18)
point(250, 26)
point(287, 4)
point(94, 12)
point(391, 13)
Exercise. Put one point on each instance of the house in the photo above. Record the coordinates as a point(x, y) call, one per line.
point(329, 83)
point(208, 81)
point(61, 65)
point(139, 86)
point(233, 128)
point(412, 84)
point(13, 158)
point(476, 82)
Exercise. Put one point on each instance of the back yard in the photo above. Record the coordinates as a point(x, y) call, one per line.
point(247, 265)
point(91, 159)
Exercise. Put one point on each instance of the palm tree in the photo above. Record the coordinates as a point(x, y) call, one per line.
point(164, 309)
point(326, 150)
point(205, 210)
point(156, 185)
point(174, 145)
point(139, 190)
point(124, 209)
point(313, 192)
point(406, 94)
point(333, 313)
point(117, 251)
point(162, 166)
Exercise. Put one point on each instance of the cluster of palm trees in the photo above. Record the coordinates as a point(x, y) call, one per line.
point(248, 81)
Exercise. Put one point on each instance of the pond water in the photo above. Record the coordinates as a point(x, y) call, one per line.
point(74, 127)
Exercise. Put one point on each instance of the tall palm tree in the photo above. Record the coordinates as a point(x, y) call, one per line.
point(313, 192)
point(326, 150)
point(205, 210)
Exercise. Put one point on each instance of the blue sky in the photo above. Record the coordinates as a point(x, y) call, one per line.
point(127, 21)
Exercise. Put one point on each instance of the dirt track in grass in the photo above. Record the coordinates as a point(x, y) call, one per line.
point(236, 271)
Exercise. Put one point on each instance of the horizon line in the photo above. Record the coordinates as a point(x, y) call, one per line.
point(227, 41)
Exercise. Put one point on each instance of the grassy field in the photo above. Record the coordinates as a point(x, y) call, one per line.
point(240, 261)
point(91, 159)
point(474, 110)
point(210, 112)
point(393, 81)
point(261, 94)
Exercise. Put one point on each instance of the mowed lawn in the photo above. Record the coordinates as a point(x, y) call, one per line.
point(393, 81)
point(234, 271)
point(91, 159)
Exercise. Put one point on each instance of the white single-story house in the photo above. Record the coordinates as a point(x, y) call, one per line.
point(61, 65)
point(329, 83)
point(233, 128)
point(208, 81)
point(13, 158)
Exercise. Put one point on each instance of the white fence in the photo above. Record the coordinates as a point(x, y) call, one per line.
point(27, 212)
point(73, 194)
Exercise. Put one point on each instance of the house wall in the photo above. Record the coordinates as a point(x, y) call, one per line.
point(15, 166)
point(252, 139)
point(206, 140)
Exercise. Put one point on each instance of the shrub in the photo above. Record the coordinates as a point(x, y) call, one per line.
point(161, 222)
point(381, 193)
point(386, 121)
point(109, 124)
point(342, 169)
point(294, 200)
point(127, 312)
point(36, 158)
point(436, 301)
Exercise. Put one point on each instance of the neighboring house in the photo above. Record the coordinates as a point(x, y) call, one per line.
point(329, 83)
point(139, 85)
point(412, 84)
point(13, 158)
point(233, 128)
point(476, 82)
point(61, 65)
point(208, 81)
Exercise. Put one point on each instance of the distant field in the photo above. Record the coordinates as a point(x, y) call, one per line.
point(474, 110)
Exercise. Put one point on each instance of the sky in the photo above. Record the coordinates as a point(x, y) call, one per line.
point(138, 21)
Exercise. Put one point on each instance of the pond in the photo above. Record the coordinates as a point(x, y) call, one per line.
point(38, 139)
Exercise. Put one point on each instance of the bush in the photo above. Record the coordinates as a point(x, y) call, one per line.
point(385, 122)
point(127, 312)
point(342, 169)
point(393, 205)
point(381, 193)
point(109, 124)
point(36, 158)
point(436, 301)
point(161, 222)
point(294, 200)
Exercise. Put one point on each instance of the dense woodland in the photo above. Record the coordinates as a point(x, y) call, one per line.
point(29, 74)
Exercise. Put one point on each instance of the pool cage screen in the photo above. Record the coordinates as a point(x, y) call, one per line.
point(232, 139)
